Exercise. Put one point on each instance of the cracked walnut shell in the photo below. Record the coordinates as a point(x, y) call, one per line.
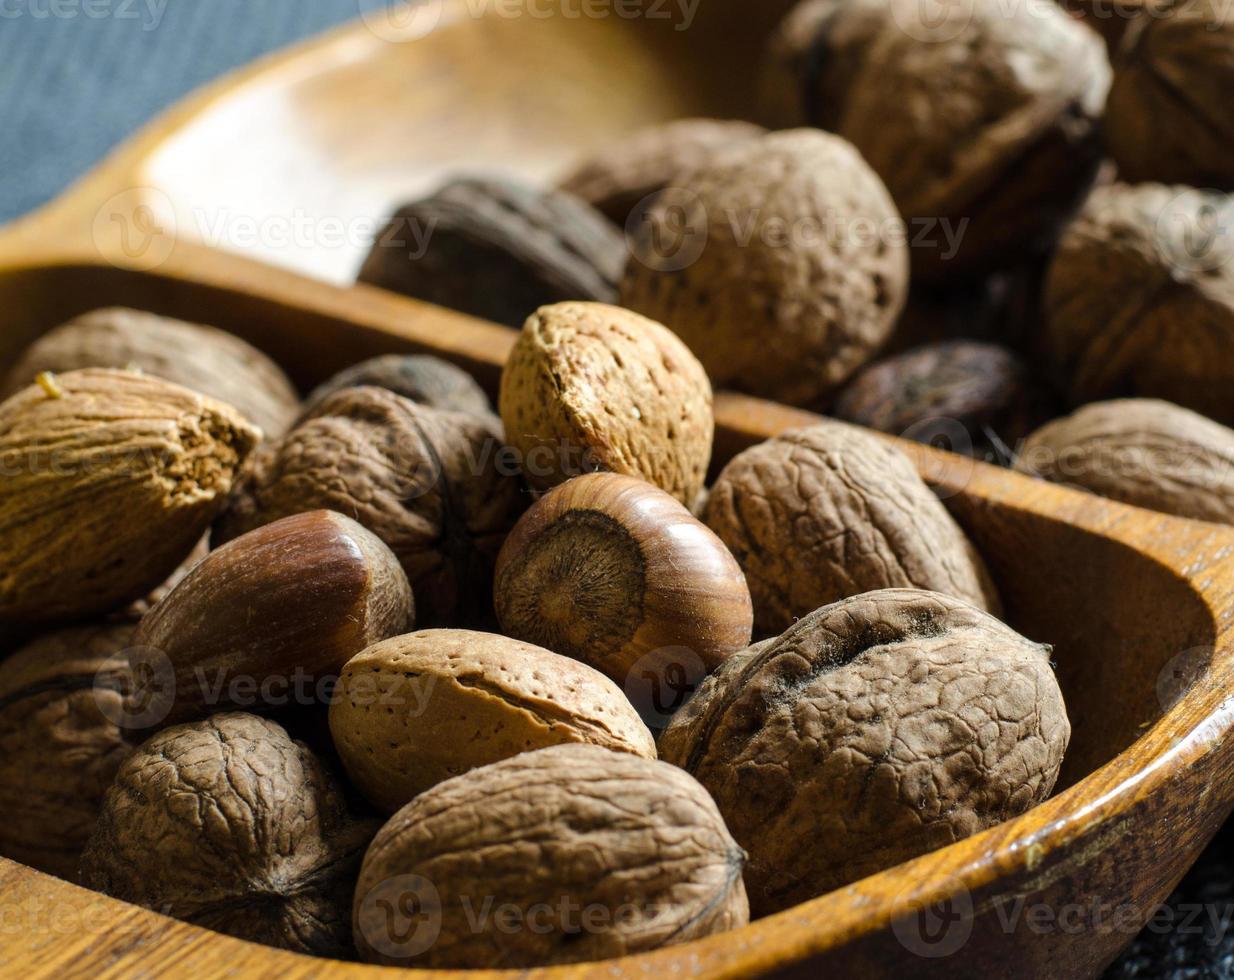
point(229, 824)
point(873, 731)
point(594, 854)
point(831, 511)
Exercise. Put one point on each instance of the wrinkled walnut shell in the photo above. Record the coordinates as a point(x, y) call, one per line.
point(61, 701)
point(831, 511)
point(781, 263)
point(462, 700)
point(594, 387)
point(873, 731)
point(497, 249)
point(599, 854)
point(1140, 451)
point(421, 378)
point(435, 486)
point(230, 825)
point(200, 358)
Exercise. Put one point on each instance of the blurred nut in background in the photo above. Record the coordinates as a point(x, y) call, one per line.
point(200, 358)
point(497, 249)
point(421, 378)
point(832, 511)
point(1140, 298)
point(594, 387)
point(786, 265)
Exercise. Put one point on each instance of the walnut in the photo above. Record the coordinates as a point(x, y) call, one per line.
point(433, 485)
point(461, 700)
point(199, 358)
point(1140, 298)
point(61, 741)
point(594, 387)
point(1143, 452)
point(497, 249)
point(589, 853)
point(831, 511)
point(970, 397)
point(632, 170)
point(229, 824)
point(982, 121)
point(873, 731)
point(1169, 116)
point(422, 378)
point(781, 262)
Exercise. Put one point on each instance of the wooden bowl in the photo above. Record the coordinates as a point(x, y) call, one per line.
point(1139, 606)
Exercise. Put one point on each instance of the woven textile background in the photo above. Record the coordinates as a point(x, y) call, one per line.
point(78, 76)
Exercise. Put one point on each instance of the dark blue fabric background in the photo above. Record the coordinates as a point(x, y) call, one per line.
point(78, 76)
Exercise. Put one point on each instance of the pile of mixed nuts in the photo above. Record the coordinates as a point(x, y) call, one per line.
point(388, 672)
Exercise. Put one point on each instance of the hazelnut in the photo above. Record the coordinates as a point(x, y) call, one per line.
point(435, 486)
point(1169, 116)
point(497, 249)
point(111, 479)
point(61, 741)
point(291, 601)
point(200, 358)
point(769, 279)
point(600, 854)
point(982, 155)
point(1139, 299)
point(872, 731)
point(1143, 452)
point(831, 511)
point(421, 378)
point(230, 825)
point(415, 710)
point(613, 572)
point(591, 387)
point(642, 164)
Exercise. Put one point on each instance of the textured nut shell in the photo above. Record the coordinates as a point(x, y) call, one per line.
point(497, 249)
point(789, 319)
point(60, 746)
point(432, 485)
point(613, 572)
point(875, 730)
point(304, 594)
point(229, 824)
point(645, 162)
point(985, 116)
point(108, 488)
point(422, 378)
point(1140, 298)
point(827, 512)
point(1143, 452)
point(598, 387)
point(200, 358)
point(462, 700)
point(1169, 115)
point(604, 830)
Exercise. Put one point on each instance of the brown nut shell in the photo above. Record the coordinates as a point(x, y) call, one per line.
point(423, 379)
point(831, 511)
point(1140, 451)
point(594, 387)
point(874, 730)
point(597, 854)
point(613, 572)
point(435, 486)
point(230, 825)
point(61, 741)
point(754, 263)
point(203, 359)
point(461, 700)
point(111, 479)
point(279, 607)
